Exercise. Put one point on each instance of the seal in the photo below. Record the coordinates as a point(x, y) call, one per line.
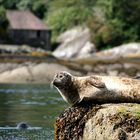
point(22, 125)
point(98, 89)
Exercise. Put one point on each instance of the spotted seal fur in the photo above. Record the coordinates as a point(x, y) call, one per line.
point(98, 89)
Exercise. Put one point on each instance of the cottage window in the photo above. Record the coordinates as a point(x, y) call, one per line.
point(32, 34)
point(38, 33)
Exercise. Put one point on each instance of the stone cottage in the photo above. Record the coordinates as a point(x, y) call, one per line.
point(26, 28)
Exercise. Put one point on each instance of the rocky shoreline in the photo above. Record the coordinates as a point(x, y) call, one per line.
point(28, 72)
point(78, 61)
point(43, 73)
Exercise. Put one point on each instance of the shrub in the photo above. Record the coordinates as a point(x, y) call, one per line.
point(115, 22)
point(3, 22)
point(64, 14)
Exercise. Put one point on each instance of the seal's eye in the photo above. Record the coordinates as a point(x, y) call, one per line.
point(60, 76)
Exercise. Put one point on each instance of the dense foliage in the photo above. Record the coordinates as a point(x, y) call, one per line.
point(3, 19)
point(112, 22)
point(3, 23)
point(65, 14)
point(118, 22)
point(39, 7)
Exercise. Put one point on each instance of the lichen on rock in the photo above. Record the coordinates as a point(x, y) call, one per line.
point(99, 122)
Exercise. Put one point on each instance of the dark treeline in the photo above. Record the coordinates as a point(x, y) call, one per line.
point(111, 22)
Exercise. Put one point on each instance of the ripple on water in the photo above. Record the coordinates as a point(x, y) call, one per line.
point(30, 134)
point(33, 103)
point(36, 104)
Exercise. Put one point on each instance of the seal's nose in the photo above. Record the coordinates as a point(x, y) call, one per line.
point(56, 81)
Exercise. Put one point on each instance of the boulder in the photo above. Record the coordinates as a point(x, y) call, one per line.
point(122, 50)
point(86, 50)
point(29, 72)
point(99, 122)
point(74, 43)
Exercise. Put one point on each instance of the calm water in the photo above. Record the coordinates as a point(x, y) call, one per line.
point(37, 105)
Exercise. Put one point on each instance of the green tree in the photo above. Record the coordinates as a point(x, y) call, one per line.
point(3, 22)
point(39, 7)
point(63, 15)
point(115, 22)
point(8, 4)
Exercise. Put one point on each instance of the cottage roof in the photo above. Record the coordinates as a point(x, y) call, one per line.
point(24, 20)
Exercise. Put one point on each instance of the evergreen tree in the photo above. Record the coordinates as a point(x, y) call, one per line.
point(118, 22)
point(63, 15)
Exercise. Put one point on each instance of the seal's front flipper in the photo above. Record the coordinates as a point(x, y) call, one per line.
point(96, 82)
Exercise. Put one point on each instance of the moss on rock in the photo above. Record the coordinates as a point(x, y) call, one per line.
point(69, 125)
point(99, 122)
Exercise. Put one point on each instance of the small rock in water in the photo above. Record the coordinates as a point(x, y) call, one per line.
point(22, 125)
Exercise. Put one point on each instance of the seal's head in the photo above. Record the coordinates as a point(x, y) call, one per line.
point(65, 84)
point(62, 79)
point(22, 125)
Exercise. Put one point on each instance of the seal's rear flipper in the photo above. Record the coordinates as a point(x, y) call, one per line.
point(137, 77)
point(96, 82)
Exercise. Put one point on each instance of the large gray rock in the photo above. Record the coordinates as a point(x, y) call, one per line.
point(99, 122)
point(122, 50)
point(29, 73)
point(114, 122)
point(74, 43)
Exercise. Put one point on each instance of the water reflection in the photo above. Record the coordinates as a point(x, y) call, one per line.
point(38, 105)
